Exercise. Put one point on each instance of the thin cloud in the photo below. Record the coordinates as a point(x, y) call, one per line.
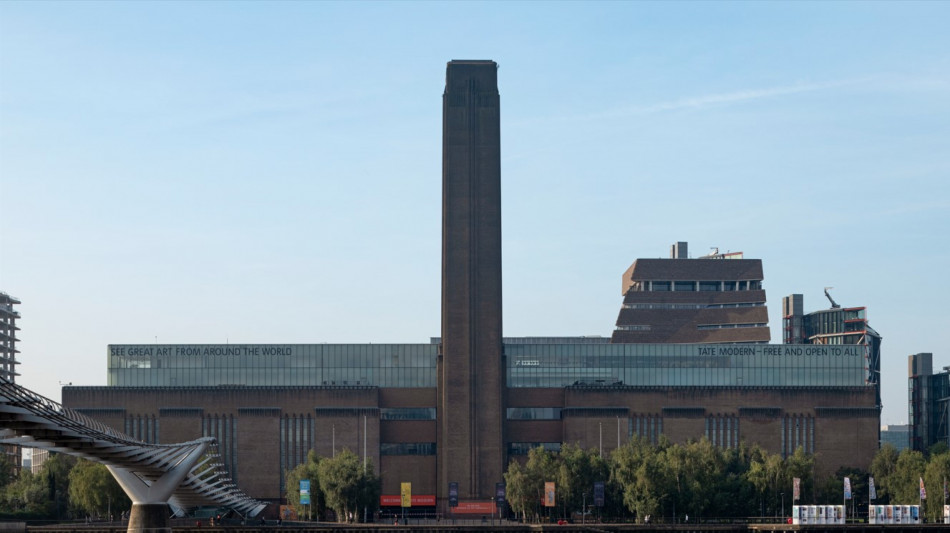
point(705, 101)
point(735, 97)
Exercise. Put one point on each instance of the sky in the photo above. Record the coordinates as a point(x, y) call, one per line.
point(217, 172)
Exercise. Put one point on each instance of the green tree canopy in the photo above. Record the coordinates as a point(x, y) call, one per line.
point(347, 485)
point(307, 470)
point(93, 490)
point(883, 467)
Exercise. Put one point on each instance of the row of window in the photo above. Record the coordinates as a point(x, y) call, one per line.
point(731, 326)
point(723, 431)
point(407, 413)
point(534, 413)
point(522, 448)
point(797, 432)
point(694, 286)
point(407, 448)
point(635, 327)
point(692, 306)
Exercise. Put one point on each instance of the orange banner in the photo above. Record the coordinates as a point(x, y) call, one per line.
point(549, 494)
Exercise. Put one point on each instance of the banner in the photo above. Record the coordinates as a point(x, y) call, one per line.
point(923, 491)
point(599, 494)
point(872, 494)
point(453, 494)
point(304, 492)
point(288, 513)
point(796, 489)
point(549, 494)
point(405, 495)
point(417, 500)
point(847, 488)
point(500, 495)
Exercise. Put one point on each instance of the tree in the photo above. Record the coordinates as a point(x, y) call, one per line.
point(883, 467)
point(7, 471)
point(525, 484)
point(802, 466)
point(94, 491)
point(936, 478)
point(904, 484)
point(937, 448)
point(56, 473)
point(767, 474)
point(643, 476)
point(578, 469)
point(519, 492)
point(307, 470)
point(27, 494)
point(347, 485)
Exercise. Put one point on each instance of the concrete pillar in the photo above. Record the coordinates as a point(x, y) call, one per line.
point(149, 518)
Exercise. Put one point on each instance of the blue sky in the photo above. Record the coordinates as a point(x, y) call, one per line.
point(270, 172)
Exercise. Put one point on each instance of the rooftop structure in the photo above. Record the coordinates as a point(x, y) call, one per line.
point(715, 298)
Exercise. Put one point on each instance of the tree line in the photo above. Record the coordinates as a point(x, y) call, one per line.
point(64, 488)
point(669, 481)
point(664, 481)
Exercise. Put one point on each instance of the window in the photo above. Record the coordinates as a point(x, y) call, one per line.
point(407, 413)
point(684, 286)
point(661, 286)
point(407, 448)
point(634, 327)
point(534, 413)
point(706, 286)
point(522, 448)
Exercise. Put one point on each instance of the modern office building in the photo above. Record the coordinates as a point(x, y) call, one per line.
point(8, 360)
point(897, 435)
point(715, 298)
point(929, 406)
point(458, 409)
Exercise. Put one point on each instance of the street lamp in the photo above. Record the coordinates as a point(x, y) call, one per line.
point(783, 506)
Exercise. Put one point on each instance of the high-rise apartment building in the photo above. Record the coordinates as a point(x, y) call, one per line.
point(8, 359)
point(715, 298)
point(8, 339)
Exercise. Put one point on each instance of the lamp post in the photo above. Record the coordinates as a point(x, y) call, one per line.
point(584, 509)
point(783, 506)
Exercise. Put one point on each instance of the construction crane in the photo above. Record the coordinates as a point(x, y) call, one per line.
point(834, 304)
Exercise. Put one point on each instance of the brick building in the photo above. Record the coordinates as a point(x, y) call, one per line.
point(459, 408)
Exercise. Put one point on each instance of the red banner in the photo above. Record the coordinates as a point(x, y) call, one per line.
point(483, 508)
point(395, 500)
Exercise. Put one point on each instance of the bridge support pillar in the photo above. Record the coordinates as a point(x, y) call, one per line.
point(149, 518)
